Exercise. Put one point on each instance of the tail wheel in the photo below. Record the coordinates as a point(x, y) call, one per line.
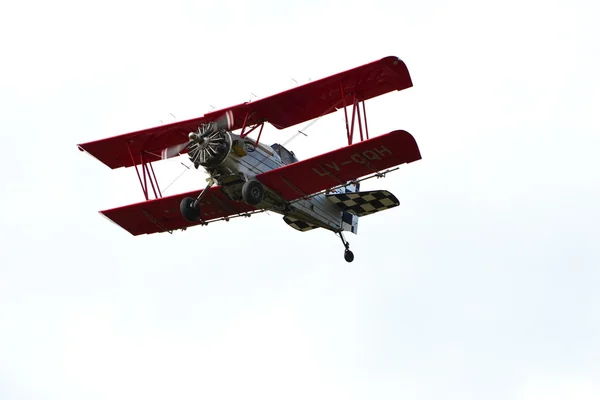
point(253, 192)
point(348, 255)
point(190, 212)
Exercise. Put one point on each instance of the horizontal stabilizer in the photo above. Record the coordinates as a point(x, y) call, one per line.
point(364, 203)
point(299, 224)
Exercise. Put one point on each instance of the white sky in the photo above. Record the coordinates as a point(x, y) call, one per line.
point(482, 284)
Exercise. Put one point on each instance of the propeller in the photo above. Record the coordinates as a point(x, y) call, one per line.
point(203, 138)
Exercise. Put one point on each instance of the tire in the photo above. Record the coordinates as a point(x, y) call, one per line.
point(253, 192)
point(189, 212)
point(348, 256)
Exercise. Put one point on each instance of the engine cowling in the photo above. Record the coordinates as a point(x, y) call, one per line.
point(209, 146)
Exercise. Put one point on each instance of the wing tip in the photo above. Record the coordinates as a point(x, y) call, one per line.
point(84, 149)
point(104, 214)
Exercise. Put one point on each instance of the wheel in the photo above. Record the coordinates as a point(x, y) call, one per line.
point(189, 212)
point(253, 192)
point(348, 255)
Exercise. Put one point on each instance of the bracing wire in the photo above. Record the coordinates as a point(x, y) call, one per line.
point(311, 123)
point(294, 136)
point(175, 180)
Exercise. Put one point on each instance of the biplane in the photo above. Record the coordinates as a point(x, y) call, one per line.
point(246, 176)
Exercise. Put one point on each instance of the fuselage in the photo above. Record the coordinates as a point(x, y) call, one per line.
point(248, 159)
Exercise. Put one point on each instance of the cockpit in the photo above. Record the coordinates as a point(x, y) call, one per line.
point(287, 157)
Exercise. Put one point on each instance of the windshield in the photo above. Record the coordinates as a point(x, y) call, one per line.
point(288, 157)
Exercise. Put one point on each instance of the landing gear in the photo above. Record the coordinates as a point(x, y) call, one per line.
point(253, 192)
point(348, 255)
point(189, 209)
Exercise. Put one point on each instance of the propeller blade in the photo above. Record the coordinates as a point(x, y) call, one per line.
point(173, 151)
point(225, 121)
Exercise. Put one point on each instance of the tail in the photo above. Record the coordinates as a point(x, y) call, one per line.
point(355, 204)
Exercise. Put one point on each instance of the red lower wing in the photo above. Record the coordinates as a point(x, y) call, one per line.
point(337, 167)
point(162, 215)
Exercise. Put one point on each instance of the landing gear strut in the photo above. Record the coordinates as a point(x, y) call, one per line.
point(348, 255)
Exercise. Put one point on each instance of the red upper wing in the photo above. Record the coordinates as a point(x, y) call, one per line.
point(282, 110)
point(337, 167)
point(163, 214)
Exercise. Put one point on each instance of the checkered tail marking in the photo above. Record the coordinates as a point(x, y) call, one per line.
point(299, 224)
point(364, 203)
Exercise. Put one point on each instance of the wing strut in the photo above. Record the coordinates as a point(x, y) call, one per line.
point(148, 174)
point(356, 116)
